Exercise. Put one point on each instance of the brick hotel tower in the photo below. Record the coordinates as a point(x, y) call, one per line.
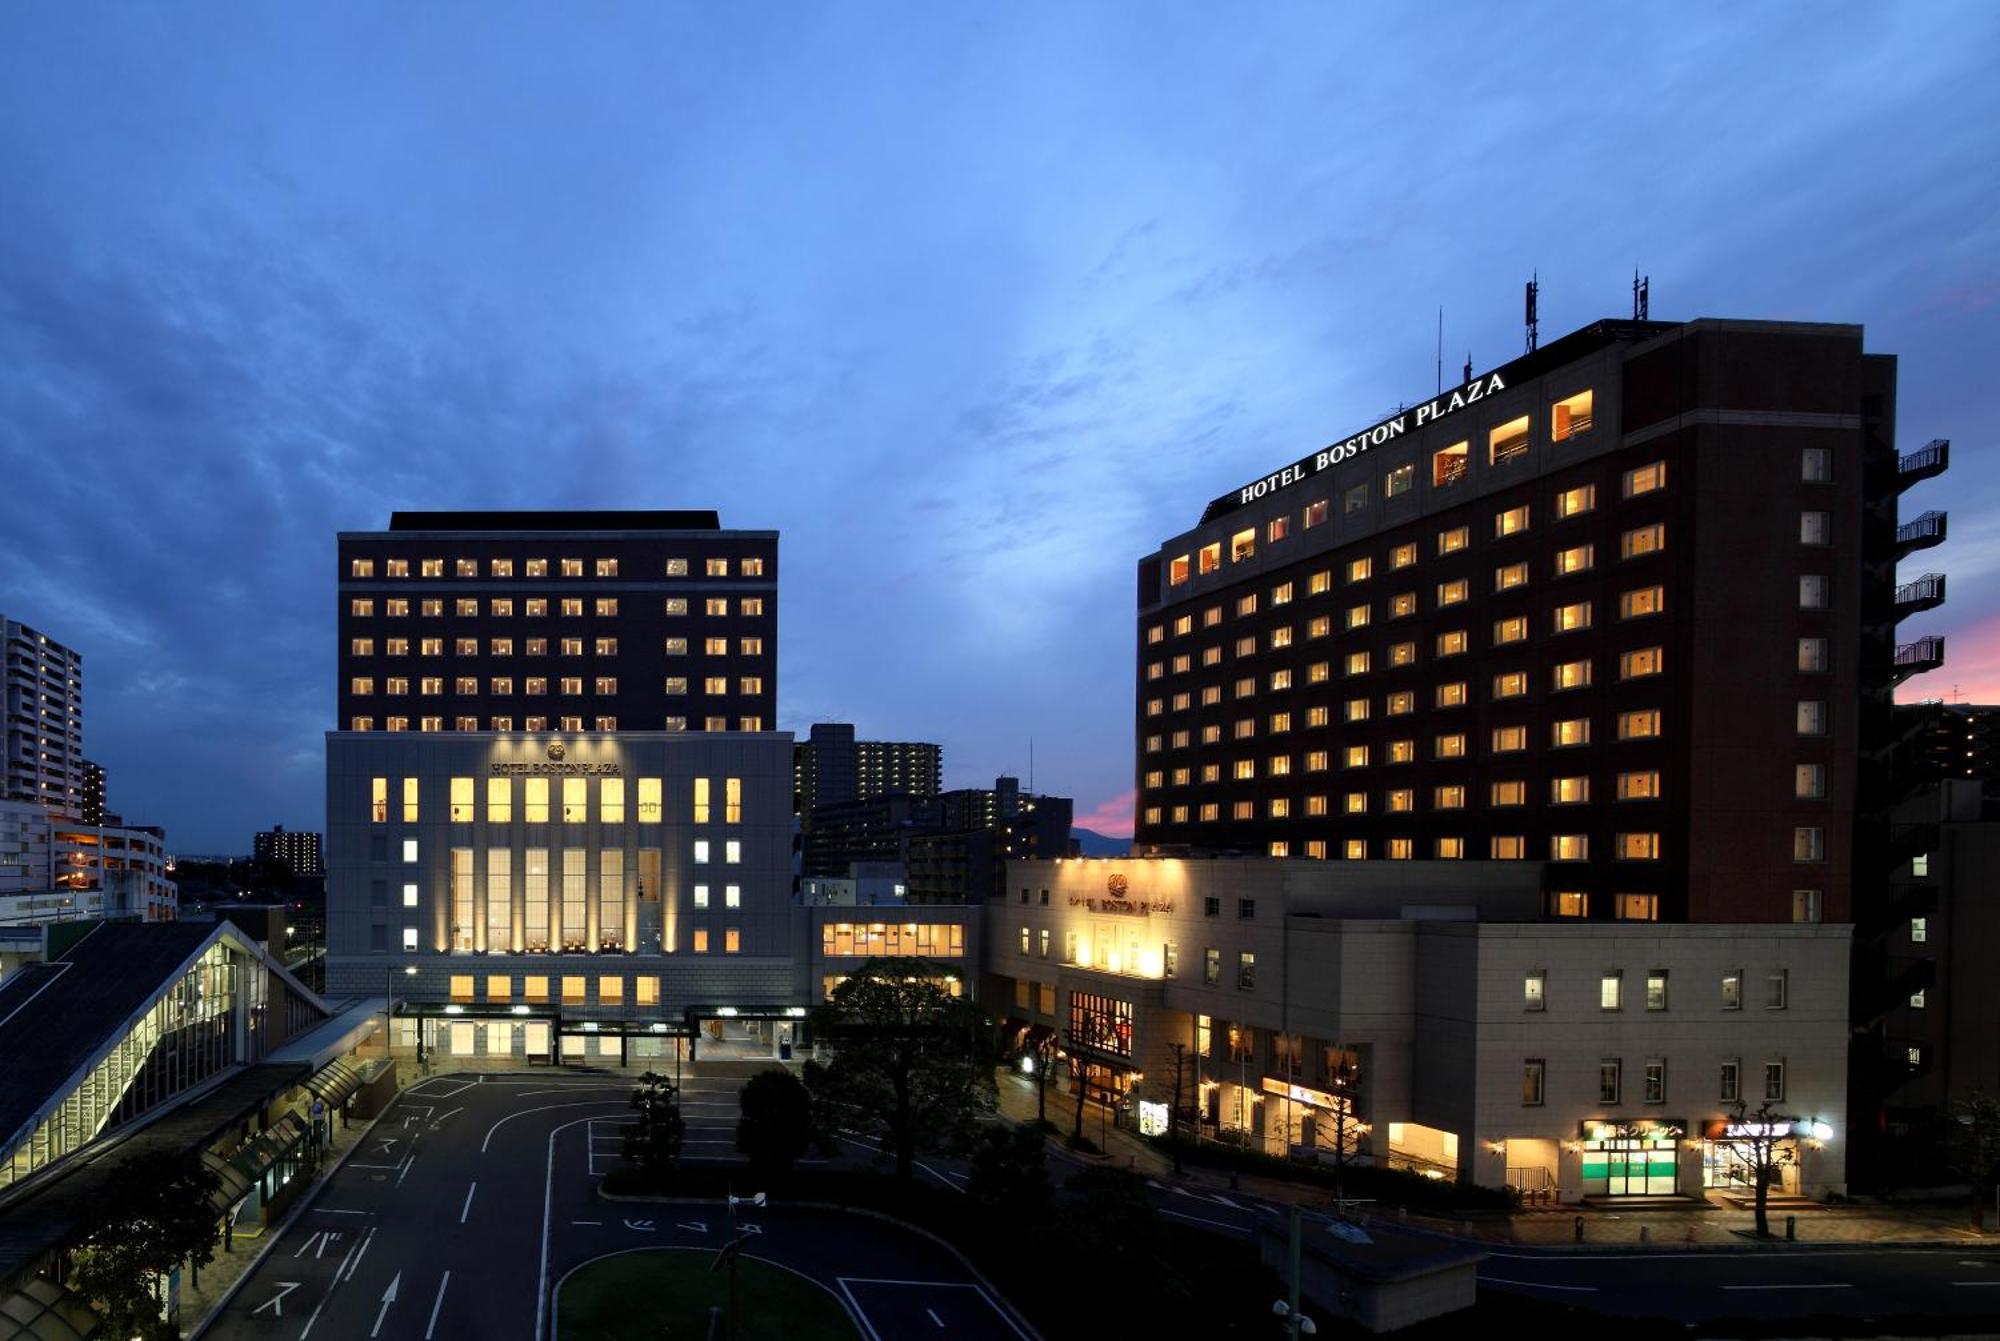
point(1626, 605)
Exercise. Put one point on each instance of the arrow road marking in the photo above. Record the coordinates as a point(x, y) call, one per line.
point(276, 1303)
point(388, 1298)
point(643, 1226)
point(385, 1142)
point(752, 1229)
point(696, 1225)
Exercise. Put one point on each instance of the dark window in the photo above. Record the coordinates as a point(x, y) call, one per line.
point(1246, 908)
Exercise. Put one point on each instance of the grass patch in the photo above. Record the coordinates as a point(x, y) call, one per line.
point(667, 1292)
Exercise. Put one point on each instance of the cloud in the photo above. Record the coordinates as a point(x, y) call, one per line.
point(1112, 818)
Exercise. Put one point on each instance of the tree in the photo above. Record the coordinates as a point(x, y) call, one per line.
point(653, 1141)
point(912, 1064)
point(1010, 1174)
point(1764, 1136)
point(156, 1213)
point(776, 1122)
point(1975, 1138)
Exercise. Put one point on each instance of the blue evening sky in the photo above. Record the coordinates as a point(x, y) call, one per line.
point(975, 304)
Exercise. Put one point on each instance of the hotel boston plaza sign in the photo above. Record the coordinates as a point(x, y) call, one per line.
point(557, 765)
point(1416, 416)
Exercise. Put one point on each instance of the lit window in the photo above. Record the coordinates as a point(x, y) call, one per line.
point(1315, 513)
point(1450, 643)
point(1403, 555)
point(1639, 785)
point(1641, 662)
point(1815, 464)
point(1636, 907)
point(1805, 905)
point(1815, 528)
point(1812, 654)
point(1509, 576)
point(1402, 604)
point(1570, 502)
point(1611, 990)
point(1570, 416)
point(1510, 630)
point(1571, 731)
point(1178, 570)
point(1507, 793)
point(1808, 843)
point(1453, 540)
point(1920, 930)
point(1638, 847)
point(1449, 465)
point(1508, 442)
point(1399, 481)
point(1510, 684)
point(1645, 479)
point(1813, 592)
point(1451, 593)
point(1569, 791)
point(1569, 618)
point(1640, 725)
point(1512, 521)
point(1209, 557)
point(1510, 739)
point(1451, 695)
point(1243, 545)
point(1643, 540)
point(1569, 903)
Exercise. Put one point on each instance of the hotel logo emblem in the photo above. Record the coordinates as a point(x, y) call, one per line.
point(1116, 886)
point(556, 750)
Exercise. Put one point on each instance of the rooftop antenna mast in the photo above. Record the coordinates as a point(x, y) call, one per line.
point(1468, 367)
point(1440, 390)
point(1534, 322)
point(1641, 295)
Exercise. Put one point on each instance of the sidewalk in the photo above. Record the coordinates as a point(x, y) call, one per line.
point(231, 1264)
point(1711, 1225)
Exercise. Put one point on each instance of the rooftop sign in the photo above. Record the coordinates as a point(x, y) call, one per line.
point(1415, 417)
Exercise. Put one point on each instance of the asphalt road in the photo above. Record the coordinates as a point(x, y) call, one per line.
point(475, 1195)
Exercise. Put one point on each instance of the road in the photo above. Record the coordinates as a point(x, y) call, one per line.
point(474, 1195)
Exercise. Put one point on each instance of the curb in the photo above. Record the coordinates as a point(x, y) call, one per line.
point(277, 1231)
point(1013, 1314)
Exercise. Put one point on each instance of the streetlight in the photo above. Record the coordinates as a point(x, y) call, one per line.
point(1296, 1323)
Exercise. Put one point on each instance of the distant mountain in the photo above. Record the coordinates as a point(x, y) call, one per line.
point(1094, 844)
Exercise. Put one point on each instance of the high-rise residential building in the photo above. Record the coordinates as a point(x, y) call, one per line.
point(43, 727)
point(1938, 741)
point(1626, 606)
point(94, 811)
point(53, 868)
point(833, 767)
point(297, 849)
point(545, 622)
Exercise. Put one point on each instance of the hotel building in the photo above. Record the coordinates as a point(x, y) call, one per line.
point(1425, 1015)
point(1625, 606)
point(575, 838)
point(558, 621)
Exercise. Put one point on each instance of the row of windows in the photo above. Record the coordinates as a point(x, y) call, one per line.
point(539, 647)
point(1611, 992)
point(1611, 1081)
point(1808, 846)
point(1808, 783)
point(923, 940)
point(361, 686)
point(1812, 658)
point(751, 567)
point(1567, 733)
point(1809, 718)
point(1637, 604)
point(1448, 467)
point(1632, 665)
point(573, 806)
point(1645, 907)
point(1637, 543)
point(536, 607)
point(569, 723)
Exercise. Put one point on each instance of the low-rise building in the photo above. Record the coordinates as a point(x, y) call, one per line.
point(1428, 1015)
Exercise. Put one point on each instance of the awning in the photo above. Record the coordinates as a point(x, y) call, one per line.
point(334, 1082)
point(253, 1159)
point(42, 1310)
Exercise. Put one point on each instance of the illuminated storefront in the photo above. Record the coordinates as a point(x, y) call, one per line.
point(1731, 1151)
point(1632, 1159)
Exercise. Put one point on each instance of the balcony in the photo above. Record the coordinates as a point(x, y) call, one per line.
point(1922, 533)
point(1926, 593)
point(1925, 654)
point(1927, 462)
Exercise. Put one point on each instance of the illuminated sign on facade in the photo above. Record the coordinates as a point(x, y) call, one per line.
point(557, 770)
point(1417, 416)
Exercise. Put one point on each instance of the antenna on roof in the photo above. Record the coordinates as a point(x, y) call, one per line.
point(1468, 366)
point(1534, 292)
point(1641, 295)
point(1440, 390)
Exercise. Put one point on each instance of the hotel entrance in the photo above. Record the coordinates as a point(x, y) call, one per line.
point(1631, 1159)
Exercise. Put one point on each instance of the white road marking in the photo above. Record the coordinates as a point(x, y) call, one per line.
point(586, 1222)
point(543, 1108)
point(643, 1226)
point(406, 1169)
point(1204, 1220)
point(934, 1317)
point(1538, 1285)
point(436, 1306)
point(548, 1206)
point(844, 1281)
point(1975, 1282)
point(388, 1298)
point(276, 1303)
point(1818, 1285)
point(696, 1225)
point(328, 1210)
point(466, 1209)
point(442, 1116)
point(358, 1256)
